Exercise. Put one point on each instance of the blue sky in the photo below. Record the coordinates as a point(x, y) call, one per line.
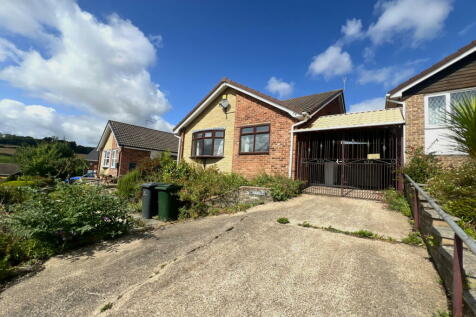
point(150, 62)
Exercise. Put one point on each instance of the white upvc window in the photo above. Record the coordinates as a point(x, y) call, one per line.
point(114, 158)
point(438, 104)
point(106, 159)
point(437, 133)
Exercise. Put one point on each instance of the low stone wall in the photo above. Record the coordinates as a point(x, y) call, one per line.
point(439, 238)
point(244, 195)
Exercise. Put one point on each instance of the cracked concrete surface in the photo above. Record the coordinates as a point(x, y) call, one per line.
point(243, 265)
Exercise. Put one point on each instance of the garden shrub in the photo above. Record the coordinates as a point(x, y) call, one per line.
point(396, 201)
point(282, 188)
point(421, 166)
point(70, 216)
point(128, 185)
point(10, 195)
point(455, 190)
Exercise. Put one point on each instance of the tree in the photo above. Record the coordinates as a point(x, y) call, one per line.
point(52, 159)
point(462, 123)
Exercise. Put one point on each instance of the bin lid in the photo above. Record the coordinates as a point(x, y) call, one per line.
point(149, 185)
point(164, 186)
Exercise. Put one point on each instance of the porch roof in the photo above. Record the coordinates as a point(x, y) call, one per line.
point(391, 116)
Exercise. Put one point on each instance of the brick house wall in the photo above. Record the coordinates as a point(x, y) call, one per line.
point(250, 111)
point(128, 156)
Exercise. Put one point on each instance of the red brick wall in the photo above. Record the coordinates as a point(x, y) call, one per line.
point(131, 156)
point(250, 111)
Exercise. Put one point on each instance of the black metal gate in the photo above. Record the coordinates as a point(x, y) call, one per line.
point(358, 163)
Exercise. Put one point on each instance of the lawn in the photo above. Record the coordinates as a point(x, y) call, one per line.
point(6, 158)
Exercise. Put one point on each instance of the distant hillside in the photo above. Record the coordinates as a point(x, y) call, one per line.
point(11, 140)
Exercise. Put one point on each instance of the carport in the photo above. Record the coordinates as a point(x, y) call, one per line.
point(353, 155)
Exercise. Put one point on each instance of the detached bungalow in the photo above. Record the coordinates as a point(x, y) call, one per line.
point(241, 130)
point(124, 146)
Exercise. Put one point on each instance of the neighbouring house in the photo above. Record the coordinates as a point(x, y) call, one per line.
point(9, 169)
point(424, 97)
point(93, 161)
point(124, 146)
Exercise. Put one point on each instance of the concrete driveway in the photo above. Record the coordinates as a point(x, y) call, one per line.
point(244, 265)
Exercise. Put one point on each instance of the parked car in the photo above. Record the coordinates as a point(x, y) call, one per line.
point(87, 176)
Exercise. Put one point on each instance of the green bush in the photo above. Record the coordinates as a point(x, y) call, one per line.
point(282, 188)
point(70, 216)
point(128, 185)
point(10, 195)
point(421, 166)
point(455, 190)
point(17, 183)
point(200, 185)
point(396, 201)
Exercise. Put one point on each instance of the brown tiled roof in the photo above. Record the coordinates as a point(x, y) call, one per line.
point(7, 169)
point(143, 138)
point(310, 103)
point(434, 67)
point(301, 104)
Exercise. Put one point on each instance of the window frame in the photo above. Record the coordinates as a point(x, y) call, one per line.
point(213, 138)
point(447, 95)
point(254, 133)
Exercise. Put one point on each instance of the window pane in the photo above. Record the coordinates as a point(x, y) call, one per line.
point(198, 149)
point(219, 134)
point(247, 130)
point(262, 143)
point(208, 134)
point(218, 150)
point(246, 143)
point(436, 108)
point(457, 97)
point(263, 128)
point(207, 147)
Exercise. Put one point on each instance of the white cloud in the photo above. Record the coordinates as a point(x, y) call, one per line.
point(279, 87)
point(332, 62)
point(368, 105)
point(416, 20)
point(41, 121)
point(97, 67)
point(388, 76)
point(466, 29)
point(352, 29)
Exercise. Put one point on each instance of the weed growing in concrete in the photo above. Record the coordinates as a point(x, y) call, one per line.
point(441, 314)
point(396, 201)
point(413, 238)
point(106, 307)
point(283, 220)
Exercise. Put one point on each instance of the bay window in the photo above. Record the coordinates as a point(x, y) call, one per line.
point(254, 139)
point(208, 143)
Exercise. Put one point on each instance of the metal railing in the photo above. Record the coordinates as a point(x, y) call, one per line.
point(459, 237)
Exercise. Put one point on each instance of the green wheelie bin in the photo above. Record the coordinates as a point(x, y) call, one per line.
point(149, 200)
point(168, 201)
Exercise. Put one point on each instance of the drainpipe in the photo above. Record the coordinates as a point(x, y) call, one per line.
point(304, 117)
point(179, 152)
